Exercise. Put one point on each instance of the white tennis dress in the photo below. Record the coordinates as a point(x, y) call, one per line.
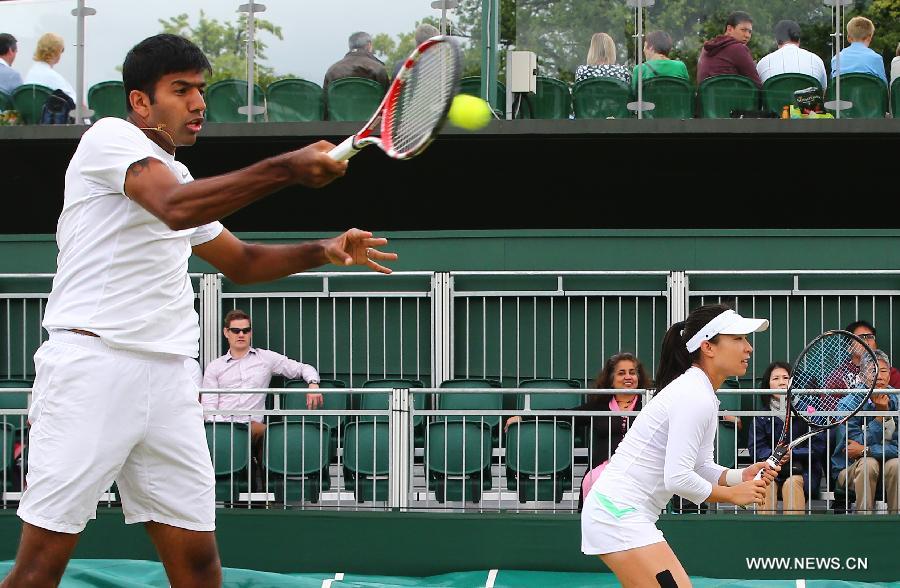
point(668, 450)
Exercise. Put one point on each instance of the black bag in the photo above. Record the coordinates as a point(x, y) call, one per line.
point(57, 108)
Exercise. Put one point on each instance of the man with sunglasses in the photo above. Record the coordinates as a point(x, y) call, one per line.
point(866, 331)
point(245, 368)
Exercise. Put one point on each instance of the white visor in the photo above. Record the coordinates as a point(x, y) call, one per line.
point(727, 323)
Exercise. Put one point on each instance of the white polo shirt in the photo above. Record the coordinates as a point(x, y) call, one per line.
point(121, 272)
point(668, 449)
point(43, 73)
point(791, 58)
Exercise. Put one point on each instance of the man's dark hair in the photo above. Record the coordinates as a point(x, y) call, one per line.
point(157, 56)
point(235, 315)
point(787, 31)
point(737, 17)
point(860, 323)
point(7, 42)
point(660, 41)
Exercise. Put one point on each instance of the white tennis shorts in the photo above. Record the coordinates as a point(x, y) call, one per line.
point(608, 526)
point(100, 414)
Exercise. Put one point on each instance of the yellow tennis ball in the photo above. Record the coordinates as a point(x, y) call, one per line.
point(469, 112)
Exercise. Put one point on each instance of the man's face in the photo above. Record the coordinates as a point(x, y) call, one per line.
point(866, 335)
point(238, 341)
point(741, 32)
point(178, 104)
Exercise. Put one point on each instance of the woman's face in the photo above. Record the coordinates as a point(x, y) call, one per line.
point(731, 355)
point(625, 375)
point(778, 379)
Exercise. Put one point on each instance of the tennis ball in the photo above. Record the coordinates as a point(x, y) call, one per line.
point(470, 113)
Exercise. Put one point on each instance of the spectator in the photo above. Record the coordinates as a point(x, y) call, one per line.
point(10, 79)
point(246, 367)
point(657, 46)
point(49, 50)
point(866, 331)
point(359, 62)
point(622, 371)
point(601, 61)
point(858, 58)
point(801, 476)
point(728, 53)
point(895, 65)
point(423, 32)
point(789, 57)
point(866, 446)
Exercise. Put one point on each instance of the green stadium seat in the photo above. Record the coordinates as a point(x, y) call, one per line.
point(294, 100)
point(539, 460)
point(15, 400)
point(719, 95)
point(727, 434)
point(472, 85)
point(381, 401)
point(6, 102)
point(778, 91)
point(458, 460)
point(225, 97)
point(29, 102)
point(353, 99)
point(552, 99)
point(330, 401)
point(868, 93)
point(601, 98)
point(107, 99)
point(672, 98)
point(557, 401)
point(229, 447)
point(297, 457)
point(366, 460)
point(473, 401)
point(895, 98)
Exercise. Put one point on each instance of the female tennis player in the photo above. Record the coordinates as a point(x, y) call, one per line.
point(669, 450)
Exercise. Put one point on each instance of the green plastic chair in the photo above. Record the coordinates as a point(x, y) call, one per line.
point(552, 99)
point(601, 98)
point(719, 95)
point(472, 85)
point(868, 93)
point(225, 97)
point(458, 460)
point(332, 401)
point(472, 401)
point(366, 460)
point(382, 401)
point(895, 98)
point(778, 91)
point(557, 401)
point(539, 460)
point(29, 100)
point(353, 99)
point(297, 457)
point(672, 97)
point(294, 100)
point(229, 447)
point(6, 102)
point(107, 99)
point(727, 431)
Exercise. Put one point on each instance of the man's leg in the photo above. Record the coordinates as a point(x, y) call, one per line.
point(864, 481)
point(191, 558)
point(890, 484)
point(41, 559)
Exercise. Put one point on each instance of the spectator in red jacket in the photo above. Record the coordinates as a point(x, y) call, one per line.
point(728, 53)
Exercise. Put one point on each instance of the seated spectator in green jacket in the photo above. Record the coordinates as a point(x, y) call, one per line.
point(657, 46)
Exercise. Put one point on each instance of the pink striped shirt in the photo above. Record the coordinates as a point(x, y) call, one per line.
point(254, 370)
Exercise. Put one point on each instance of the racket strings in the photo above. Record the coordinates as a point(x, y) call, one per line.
point(424, 97)
point(828, 364)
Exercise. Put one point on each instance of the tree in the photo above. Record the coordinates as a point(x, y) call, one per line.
point(225, 45)
point(391, 51)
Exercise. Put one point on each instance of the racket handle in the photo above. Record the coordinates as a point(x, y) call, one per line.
point(344, 151)
point(773, 461)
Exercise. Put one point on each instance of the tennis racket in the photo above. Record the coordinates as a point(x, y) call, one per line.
point(415, 106)
point(826, 387)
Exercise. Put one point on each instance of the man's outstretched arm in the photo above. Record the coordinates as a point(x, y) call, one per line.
point(247, 263)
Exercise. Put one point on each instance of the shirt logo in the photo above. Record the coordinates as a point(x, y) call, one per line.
point(608, 505)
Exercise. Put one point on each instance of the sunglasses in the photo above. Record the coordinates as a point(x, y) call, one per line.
point(236, 331)
point(866, 336)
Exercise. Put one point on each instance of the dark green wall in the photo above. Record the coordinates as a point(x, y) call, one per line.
point(420, 544)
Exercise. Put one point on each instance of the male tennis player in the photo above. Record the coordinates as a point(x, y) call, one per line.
point(112, 399)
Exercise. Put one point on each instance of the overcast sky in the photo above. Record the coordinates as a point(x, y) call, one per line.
point(315, 31)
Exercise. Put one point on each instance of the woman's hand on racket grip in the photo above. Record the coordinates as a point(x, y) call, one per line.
point(356, 247)
point(769, 473)
point(749, 492)
point(312, 166)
